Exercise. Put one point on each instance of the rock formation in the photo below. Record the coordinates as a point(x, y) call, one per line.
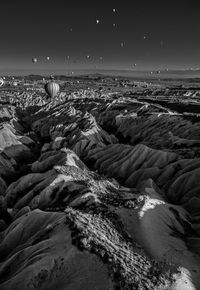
point(98, 191)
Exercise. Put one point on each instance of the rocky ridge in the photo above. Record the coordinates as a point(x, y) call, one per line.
point(98, 192)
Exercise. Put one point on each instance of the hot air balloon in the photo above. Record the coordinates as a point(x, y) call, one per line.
point(1, 82)
point(52, 89)
point(48, 57)
point(34, 59)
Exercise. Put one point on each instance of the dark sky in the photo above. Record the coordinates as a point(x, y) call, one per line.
point(155, 34)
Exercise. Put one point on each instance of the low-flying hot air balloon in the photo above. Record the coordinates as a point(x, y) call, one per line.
point(34, 59)
point(1, 82)
point(52, 89)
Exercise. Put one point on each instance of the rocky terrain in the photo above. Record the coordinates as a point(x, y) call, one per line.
point(99, 187)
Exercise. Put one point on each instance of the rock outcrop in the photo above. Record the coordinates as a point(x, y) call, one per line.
point(98, 192)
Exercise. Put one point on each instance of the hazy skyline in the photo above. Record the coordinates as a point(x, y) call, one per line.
point(151, 34)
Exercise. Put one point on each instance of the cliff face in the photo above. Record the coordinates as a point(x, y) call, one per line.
point(98, 192)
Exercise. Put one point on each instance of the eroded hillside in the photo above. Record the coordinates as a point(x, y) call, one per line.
point(100, 191)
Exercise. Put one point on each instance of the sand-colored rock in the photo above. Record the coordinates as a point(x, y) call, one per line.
point(132, 224)
point(39, 251)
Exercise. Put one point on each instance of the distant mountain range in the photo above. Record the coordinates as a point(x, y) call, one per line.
point(95, 73)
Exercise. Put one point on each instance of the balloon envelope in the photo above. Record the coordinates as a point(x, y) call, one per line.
point(1, 82)
point(34, 59)
point(52, 89)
